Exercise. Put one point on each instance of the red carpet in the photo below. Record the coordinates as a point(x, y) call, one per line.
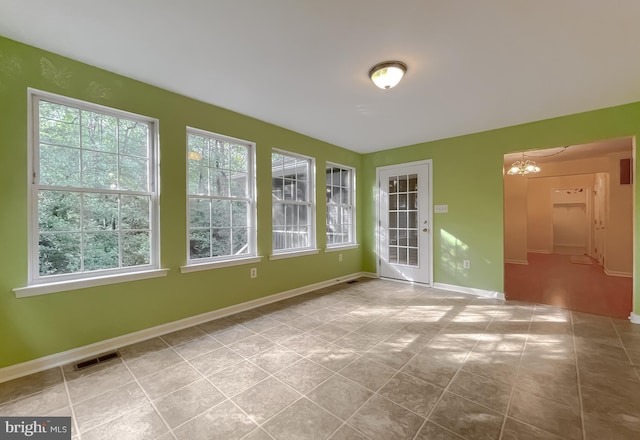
point(553, 279)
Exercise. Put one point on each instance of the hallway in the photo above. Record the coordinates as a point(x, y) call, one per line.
point(553, 279)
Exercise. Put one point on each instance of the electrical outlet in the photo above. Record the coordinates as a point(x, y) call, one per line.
point(254, 272)
point(466, 264)
point(339, 258)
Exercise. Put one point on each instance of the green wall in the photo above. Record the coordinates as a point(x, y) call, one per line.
point(38, 326)
point(467, 176)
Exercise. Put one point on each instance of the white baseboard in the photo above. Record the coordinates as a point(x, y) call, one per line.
point(88, 351)
point(469, 290)
point(510, 261)
point(539, 251)
point(635, 319)
point(615, 273)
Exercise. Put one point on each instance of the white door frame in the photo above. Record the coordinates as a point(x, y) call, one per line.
point(429, 165)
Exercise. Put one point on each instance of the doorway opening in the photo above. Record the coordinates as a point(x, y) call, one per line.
point(568, 229)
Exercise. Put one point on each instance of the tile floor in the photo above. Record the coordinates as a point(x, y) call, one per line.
point(374, 360)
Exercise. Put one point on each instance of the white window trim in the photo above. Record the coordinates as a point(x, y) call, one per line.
point(354, 242)
point(57, 283)
point(227, 260)
point(292, 254)
point(342, 247)
point(311, 249)
point(219, 264)
point(63, 286)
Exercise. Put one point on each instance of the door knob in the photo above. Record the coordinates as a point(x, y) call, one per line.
point(425, 230)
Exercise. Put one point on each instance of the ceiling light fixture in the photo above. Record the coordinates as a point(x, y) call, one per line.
point(523, 167)
point(388, 74)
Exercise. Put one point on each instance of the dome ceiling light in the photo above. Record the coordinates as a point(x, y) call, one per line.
point(388, 74)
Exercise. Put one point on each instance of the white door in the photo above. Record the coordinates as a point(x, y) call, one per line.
point(404, 221)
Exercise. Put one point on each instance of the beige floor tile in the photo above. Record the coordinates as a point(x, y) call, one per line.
point(251, 346)
point(108, 406)
point(34, 383)
point(304, 375)
point(152, 362)
point(304, 420)
point(114, 375)
point(237, 378)
point(381, 419)
point(266, 399)
point(197, 347)
point(562, 420)
point(140, 424)
point(42, 403)
point(466, 418)
point(188, 402)
point(481, 390)
point(216, 360)
point(182, 336)
point(275, 359)
point(340, 396)
point(515, 430)
point(225, 420)
point(346, 432)
point(412, 393)
point(333, 357)
point(169, 380)
point(436, 372)
point(431, 431)
point(370, 374)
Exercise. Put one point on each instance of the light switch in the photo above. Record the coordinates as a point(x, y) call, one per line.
point(440, 209)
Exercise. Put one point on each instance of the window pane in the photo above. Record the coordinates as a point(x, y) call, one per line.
point(99, 170)
point(219, 183)
point(221, 213)
point(220, 242)
point(198, 150)
point(199, 244)
point(134, 138)
point(59, 124)
point(58, 211)
point(289, 189)
point(99, 132)
point(133, 174)
point(100, 250)
point(219, 155)
point(239, 213)
point(238, 158)
point(59, 166)
point(134, 212)
point(239, 183)
point(59, 253)
point(100, 212)
point(240, 243)
point(199, 213)
point(135, 248)
point(278, 214)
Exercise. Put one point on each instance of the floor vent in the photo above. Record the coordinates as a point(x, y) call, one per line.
point(96, 360)
point(352, 281)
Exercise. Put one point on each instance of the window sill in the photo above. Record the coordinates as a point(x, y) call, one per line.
point(294, 254)
point(197, 267)
point(342, 247)
point(62, 286)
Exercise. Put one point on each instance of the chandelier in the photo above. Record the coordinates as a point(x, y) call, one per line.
point(523, 167)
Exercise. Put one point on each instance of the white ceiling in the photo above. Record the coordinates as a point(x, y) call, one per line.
point(302, 64)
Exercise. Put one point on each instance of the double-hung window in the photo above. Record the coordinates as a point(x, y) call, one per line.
point(340, 185)
point(94, 192)
point(222, 208)
point(292, 197)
